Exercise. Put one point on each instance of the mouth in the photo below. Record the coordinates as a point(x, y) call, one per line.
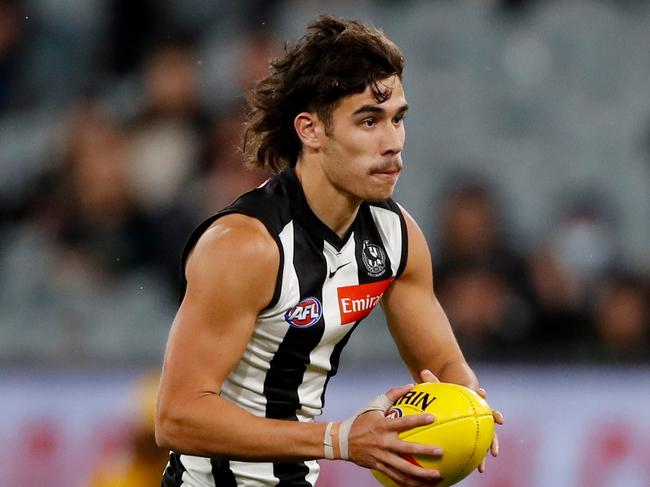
point(389, 173)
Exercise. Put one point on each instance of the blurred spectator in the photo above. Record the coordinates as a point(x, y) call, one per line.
point(141, 462)
point(584, 239)
point(165, 139)
point(566, 270)
point(164, 144)
point(258, 48)
point(225, 176)
point(10, 37)
point(480, 279)
point(133, 27)
point(78, 276)
point(515, 7)
point(622, 318)
point(93, 212)
point(560, 317)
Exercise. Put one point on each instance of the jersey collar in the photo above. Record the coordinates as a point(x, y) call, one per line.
point(313, 225)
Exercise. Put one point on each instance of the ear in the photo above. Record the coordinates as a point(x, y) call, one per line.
point(310, 129)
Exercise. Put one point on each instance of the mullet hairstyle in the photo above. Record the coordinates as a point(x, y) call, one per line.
point(334, 59)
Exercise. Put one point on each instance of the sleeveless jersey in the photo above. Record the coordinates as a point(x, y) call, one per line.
point(325, 286)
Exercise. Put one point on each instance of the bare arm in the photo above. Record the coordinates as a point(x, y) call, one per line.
point(420, 327)
point(417, 322)
point(231, 276)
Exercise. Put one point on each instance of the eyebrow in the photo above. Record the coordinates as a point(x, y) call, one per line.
point(378, 109)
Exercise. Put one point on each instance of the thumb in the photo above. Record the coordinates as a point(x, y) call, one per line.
point(396, 392)
point(427, 376)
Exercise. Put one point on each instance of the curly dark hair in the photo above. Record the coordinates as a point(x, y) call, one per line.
point(334, 59)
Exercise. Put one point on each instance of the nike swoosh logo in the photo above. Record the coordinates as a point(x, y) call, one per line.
point(331, 274)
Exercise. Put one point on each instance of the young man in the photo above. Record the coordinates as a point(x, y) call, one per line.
point(276, 282)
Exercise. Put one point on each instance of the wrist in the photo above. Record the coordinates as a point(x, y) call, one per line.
point(332, 450)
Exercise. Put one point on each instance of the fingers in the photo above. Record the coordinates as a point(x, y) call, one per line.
point(427, 376)
point(408, 422)
point(397, 425)
point(494, 447)
point(375, 443)
point(423, 477)
point(410, 449)
point(396, 392)
point(498, 417)
point(494, 451)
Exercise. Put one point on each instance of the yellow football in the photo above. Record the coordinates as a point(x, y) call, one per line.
point(463, 428)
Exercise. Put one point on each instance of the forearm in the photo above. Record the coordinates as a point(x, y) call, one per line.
point(430, 344)
point(458, 372)
point(212, 426)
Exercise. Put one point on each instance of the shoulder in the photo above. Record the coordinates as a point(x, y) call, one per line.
point(419, 257)
point(235, 262)
point(235, 257)
point(409, 221)
point(235, 236)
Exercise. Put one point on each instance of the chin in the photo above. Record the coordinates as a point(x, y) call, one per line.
point(378, 197)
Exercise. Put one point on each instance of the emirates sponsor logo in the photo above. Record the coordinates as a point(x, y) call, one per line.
point(356, 302)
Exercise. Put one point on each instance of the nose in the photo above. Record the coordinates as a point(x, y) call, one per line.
point(393, 140)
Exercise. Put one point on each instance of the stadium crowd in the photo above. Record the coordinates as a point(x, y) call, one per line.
point(118, 131)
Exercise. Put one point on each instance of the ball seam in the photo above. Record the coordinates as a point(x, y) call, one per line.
point(476, 437)
point(439, 423)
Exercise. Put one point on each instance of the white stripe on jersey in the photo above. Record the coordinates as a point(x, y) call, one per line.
point(248, 474)
point(389, 226)
point(311, 390)
point(198, 471)
point(245, 384)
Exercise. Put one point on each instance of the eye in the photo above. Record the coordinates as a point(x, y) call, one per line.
point(369, 122)
point(398, 119)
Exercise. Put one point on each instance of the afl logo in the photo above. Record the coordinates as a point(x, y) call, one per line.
point(394, 413)
point(305, 314)
point(374, 258)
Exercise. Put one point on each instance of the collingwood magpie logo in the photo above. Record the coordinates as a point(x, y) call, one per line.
point(374, 258)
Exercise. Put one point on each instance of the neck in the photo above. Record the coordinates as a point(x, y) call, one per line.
point(334, 208)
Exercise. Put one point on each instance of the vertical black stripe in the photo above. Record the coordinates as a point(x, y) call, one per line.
point(287, 368)
point(368, 233)
point(405, 242)
point(335, 359)
point(221, 473)
point(173, 475)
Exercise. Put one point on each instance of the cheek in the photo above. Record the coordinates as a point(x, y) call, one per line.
point(358, 149)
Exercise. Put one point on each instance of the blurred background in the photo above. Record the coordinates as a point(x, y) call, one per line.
point(527, 165)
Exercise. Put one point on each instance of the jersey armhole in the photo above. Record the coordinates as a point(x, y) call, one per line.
point(405, 242)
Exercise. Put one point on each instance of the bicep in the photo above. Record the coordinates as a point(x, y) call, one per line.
point(230, 279)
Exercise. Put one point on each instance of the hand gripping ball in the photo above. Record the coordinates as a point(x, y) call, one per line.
point(463, 428)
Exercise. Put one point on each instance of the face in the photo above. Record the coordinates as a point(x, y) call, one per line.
point(362, 151)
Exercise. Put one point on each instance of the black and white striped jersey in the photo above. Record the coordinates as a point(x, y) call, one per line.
point(325, 286)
